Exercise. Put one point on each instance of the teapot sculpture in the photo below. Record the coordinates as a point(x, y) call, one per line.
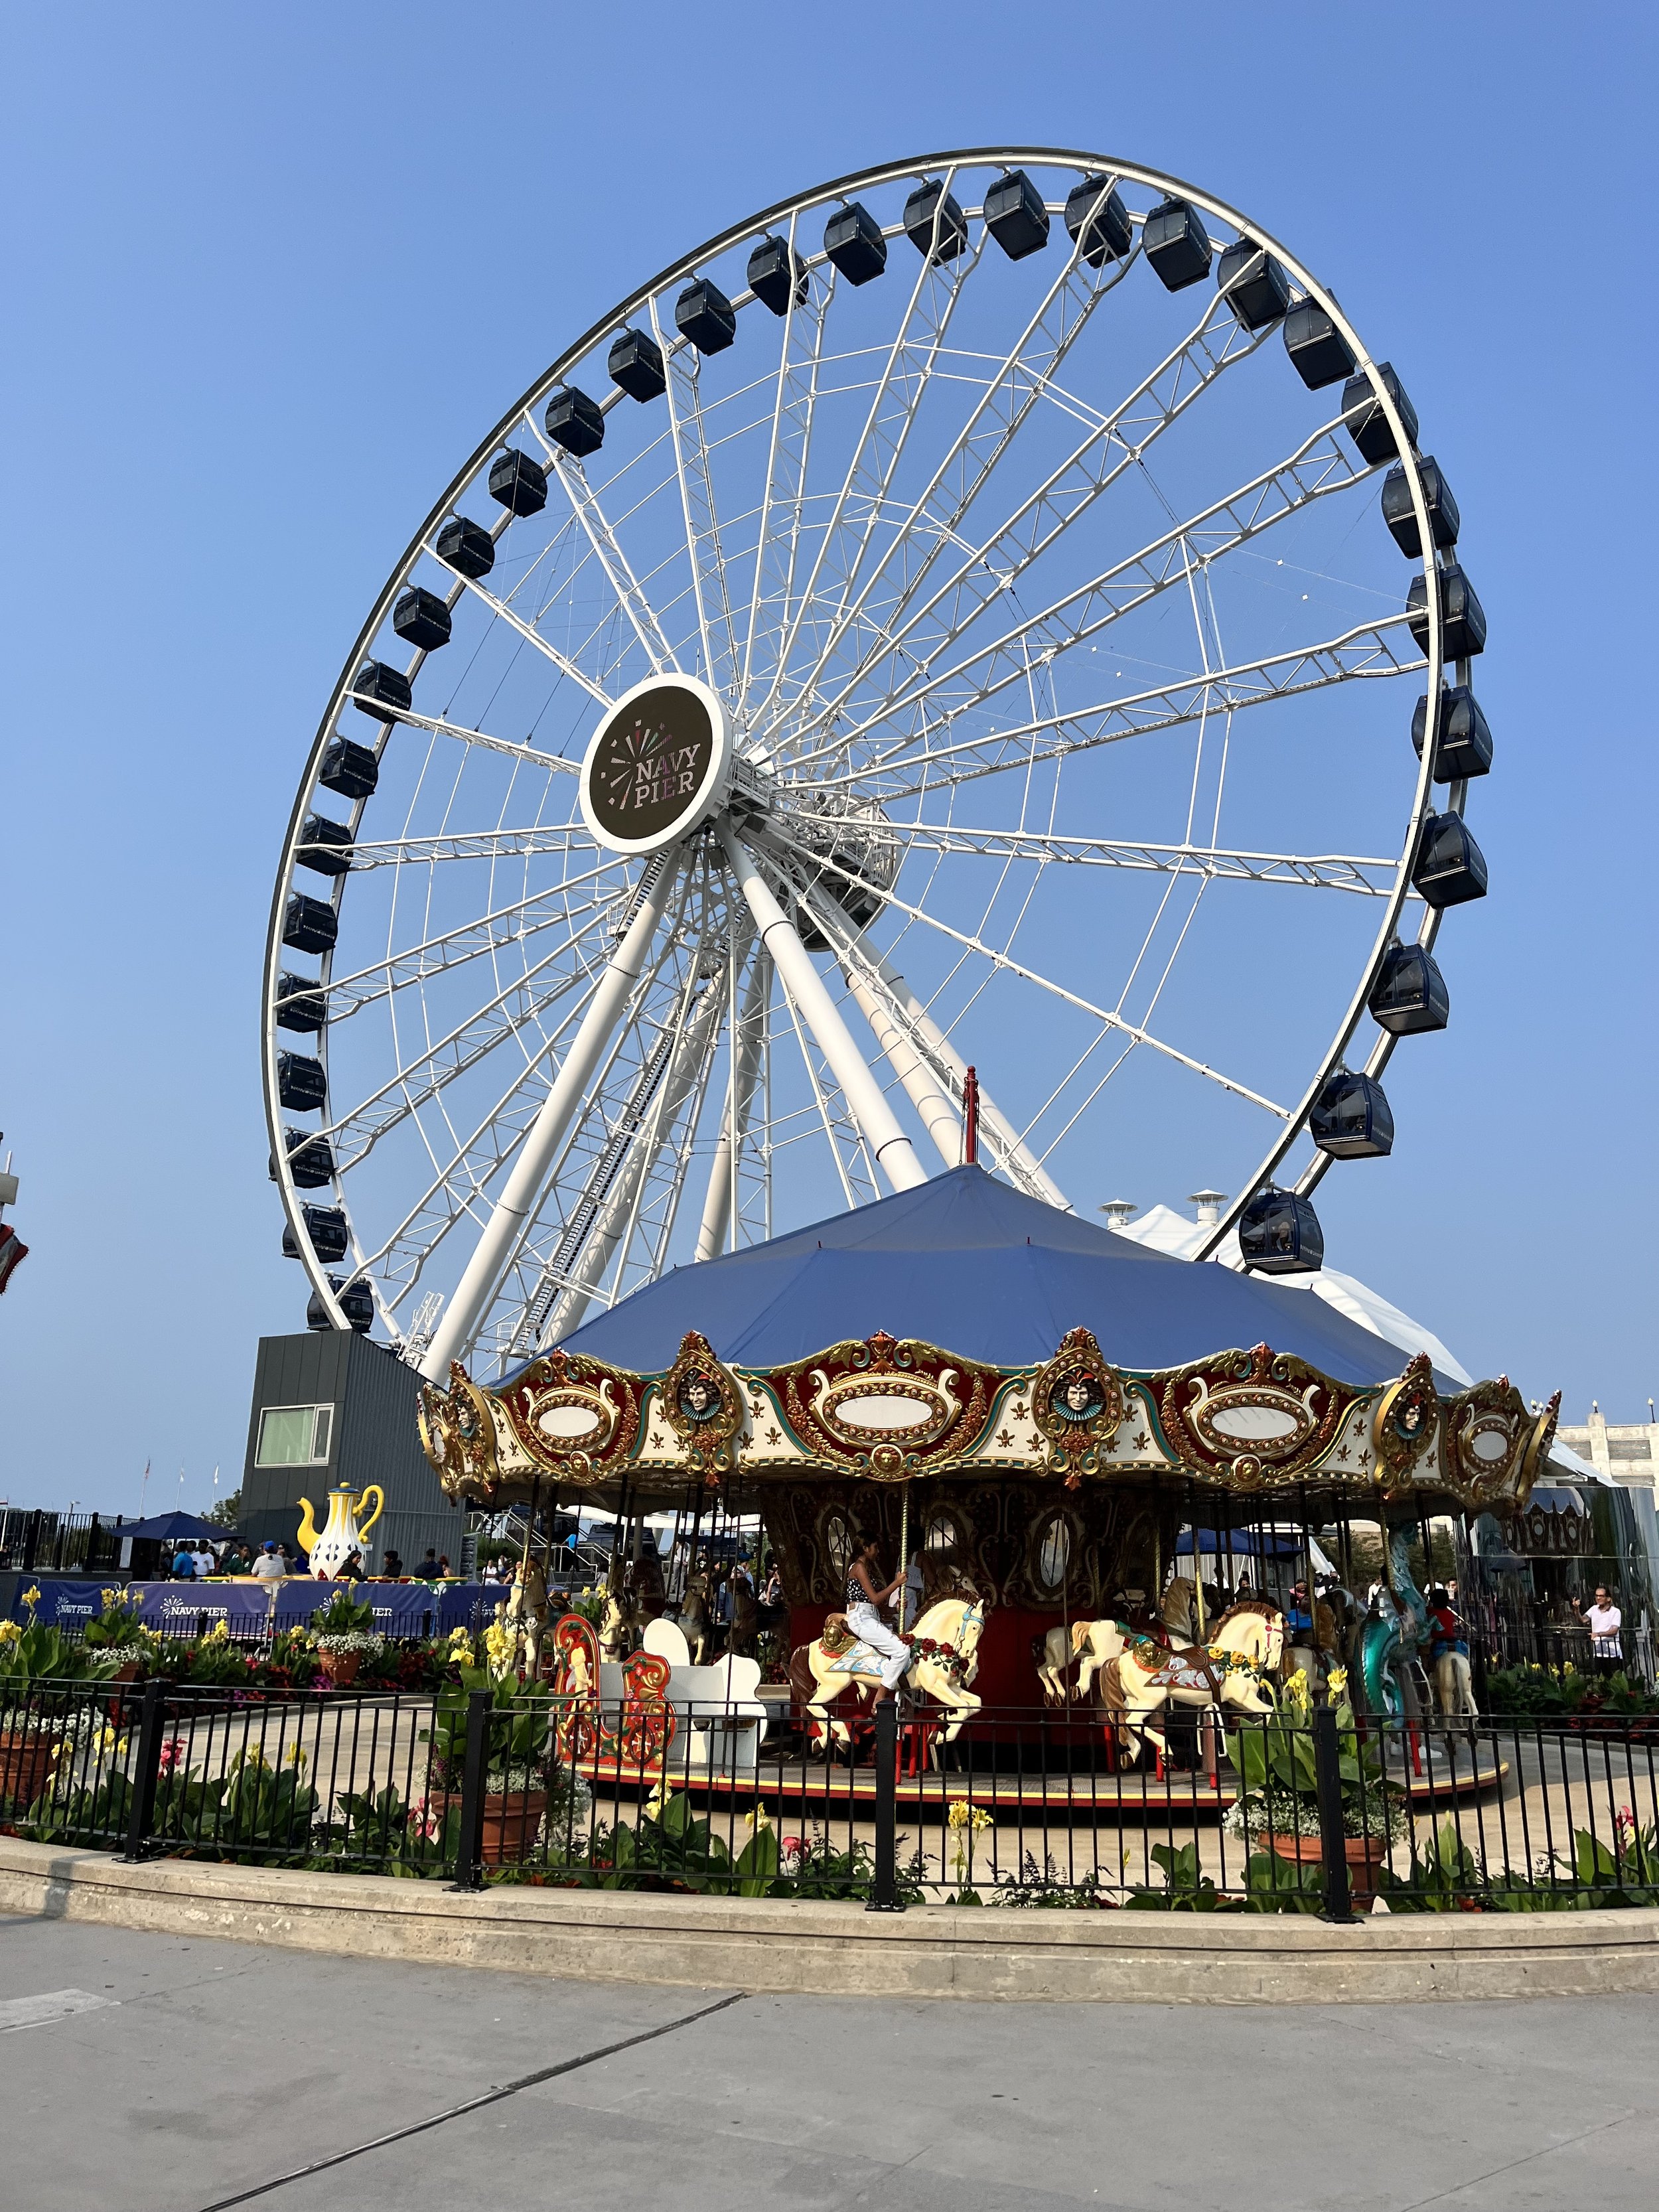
point(342, 1532)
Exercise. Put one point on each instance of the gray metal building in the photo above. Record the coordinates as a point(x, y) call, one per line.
point(331, 1406)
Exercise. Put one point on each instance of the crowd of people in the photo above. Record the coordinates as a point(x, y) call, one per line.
point(195, 1559)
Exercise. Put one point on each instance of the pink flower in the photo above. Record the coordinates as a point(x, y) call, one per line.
point(1624, 1818)
point(790, 1847)
point(173, 1754)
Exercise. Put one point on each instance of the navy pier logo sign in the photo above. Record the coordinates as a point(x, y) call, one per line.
point(656, 766)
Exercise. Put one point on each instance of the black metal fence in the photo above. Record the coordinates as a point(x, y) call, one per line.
point(36, 1540)
point(1024, 1809)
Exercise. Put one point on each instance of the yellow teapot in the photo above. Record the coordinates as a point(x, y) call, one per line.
point(343, 1531)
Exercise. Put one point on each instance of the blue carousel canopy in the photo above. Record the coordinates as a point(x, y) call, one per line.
point(968, 1263)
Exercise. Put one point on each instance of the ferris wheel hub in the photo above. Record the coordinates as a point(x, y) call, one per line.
point(657, 766)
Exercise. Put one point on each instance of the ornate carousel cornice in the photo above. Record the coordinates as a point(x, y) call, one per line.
point(1251, 1424)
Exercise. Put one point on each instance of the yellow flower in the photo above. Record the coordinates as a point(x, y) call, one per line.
point(657, 1803)
point(111, 1599)
point(32, 1597)
point(294, 1756)
point(219, 1633)
point(964, 1815)
point(1337, 1681)
point(759, 1820)
point(9, 1631)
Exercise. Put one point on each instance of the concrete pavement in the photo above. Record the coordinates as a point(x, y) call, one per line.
point(209, 2068)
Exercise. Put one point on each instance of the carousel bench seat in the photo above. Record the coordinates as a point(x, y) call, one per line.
point(719, 1720)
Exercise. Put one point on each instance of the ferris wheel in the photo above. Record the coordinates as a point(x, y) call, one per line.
point(958, 616)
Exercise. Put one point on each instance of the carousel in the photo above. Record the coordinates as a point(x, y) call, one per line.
point(1068, 1432)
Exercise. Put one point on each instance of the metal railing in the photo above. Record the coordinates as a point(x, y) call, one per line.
point(37, 1540)
point(1022, 1808)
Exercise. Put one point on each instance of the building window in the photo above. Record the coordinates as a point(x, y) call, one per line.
point(293, 1436)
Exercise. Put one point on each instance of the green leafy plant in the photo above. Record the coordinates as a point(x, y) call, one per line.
point(1275, 1764)
point(519, 1729)
point(117, 1628)
point(39, 1653)
point(344, 1624)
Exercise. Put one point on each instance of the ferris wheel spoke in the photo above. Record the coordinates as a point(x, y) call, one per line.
point(711, 592)
point(789, 453)
point(504, 1019)
point(1018, 381)
point(1374, 878)
point(506, 925)
point(532, 635)
point(596, 526)
point(1120, 442)
point(530, 755)
point(1317, 468)
point(880, 445)
point(1009, 965)
point(1367, 653)
point(468, 845)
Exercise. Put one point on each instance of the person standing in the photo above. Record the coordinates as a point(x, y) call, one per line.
point(268, 1567)
point(184, 1564)
point(864, 1601)
point(1605, 1621)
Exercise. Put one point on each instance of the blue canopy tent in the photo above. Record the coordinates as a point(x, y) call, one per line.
point(968, 1263)
point(1242, 1543)
point(174, 1529)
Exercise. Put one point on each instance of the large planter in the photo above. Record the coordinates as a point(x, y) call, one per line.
point(25, 1764)
point(338, 1670)
point(1364, 1854)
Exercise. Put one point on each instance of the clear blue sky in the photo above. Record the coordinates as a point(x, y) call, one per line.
point(270, 273)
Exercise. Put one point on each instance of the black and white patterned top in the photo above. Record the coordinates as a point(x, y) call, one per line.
point(856, 1593)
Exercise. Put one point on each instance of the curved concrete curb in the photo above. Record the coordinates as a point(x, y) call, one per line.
point(776, 1947)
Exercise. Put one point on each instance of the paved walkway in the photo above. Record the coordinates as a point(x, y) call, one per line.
point(149, 2074)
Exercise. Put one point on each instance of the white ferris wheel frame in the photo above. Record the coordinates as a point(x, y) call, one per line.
point(918, 1052)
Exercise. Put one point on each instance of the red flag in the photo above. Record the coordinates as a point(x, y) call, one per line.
point(11, 1253)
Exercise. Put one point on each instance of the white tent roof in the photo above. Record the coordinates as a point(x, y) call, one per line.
point(1165, 1231)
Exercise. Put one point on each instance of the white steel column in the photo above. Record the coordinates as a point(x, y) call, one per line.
point(717, 1201)
point(458, 1324)
point(894, 1153)
point(922, 1087)
point(1005, 1141)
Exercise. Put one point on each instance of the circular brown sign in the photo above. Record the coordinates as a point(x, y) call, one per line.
point(653, 763)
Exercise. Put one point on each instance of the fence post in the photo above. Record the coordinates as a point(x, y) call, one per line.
point(469, 1857)
point(1327, 1784)
point(883, 1889)
point(147, 1768)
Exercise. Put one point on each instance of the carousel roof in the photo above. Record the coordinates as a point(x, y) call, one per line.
point(966, 1262)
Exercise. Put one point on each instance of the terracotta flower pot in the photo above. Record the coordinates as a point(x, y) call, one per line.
point(338, 1669)
point(512, 1822)
point(1364, 1854)
point(25, 1764)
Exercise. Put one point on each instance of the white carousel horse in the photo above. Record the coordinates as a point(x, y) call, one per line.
point(1245, 1648)
point(1089, 1645)
point(1454, 1686)
point(944, 1663)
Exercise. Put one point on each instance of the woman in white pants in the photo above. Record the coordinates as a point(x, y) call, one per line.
point(864, 1601)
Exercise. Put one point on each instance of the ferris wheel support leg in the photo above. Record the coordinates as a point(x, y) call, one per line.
point(458, 1324)
point(895, 1155)
point(938, 1115)
point(717, 1201)
point(1005, 1141)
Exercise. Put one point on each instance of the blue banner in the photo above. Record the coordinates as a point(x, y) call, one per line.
point(251, 1610)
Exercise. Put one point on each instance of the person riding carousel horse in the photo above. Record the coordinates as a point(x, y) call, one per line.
point(864, 1603)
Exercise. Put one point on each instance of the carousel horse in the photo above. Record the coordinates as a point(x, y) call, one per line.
point(526, 1609)
point(619, 1629)
point(1245, 1648)
point(692, 1618)
point(744, 1631)
point(1089, 1645)
point(1395, 1627)
point(1178, 1610)
point(945, 1649)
